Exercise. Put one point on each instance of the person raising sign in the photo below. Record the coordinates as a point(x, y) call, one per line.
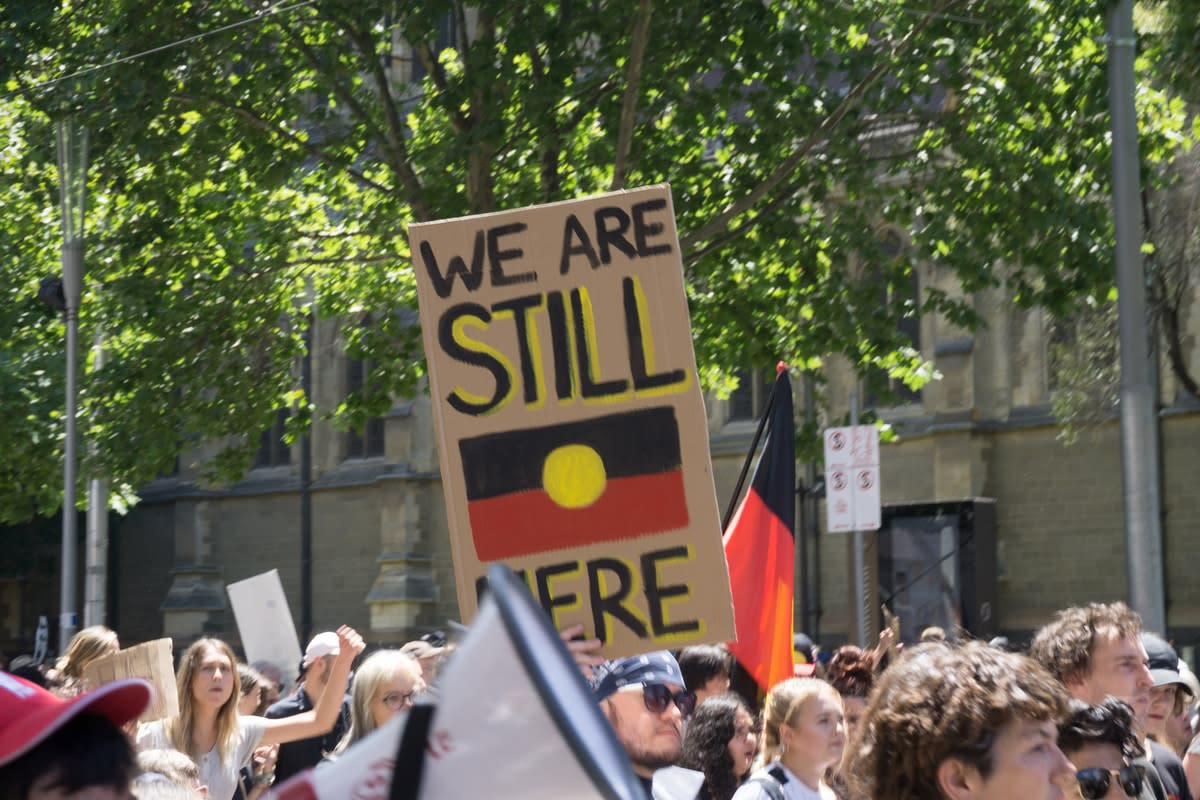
point(208, 727)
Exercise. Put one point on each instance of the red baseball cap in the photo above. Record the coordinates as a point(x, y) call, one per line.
point(29, 714)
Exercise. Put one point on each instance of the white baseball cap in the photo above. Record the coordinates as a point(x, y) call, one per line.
point(323, 644)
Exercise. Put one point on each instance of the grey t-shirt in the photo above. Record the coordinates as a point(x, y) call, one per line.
point(221, 777)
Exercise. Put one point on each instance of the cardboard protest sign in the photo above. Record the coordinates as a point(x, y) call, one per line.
point(265, 623)
point(151, 661)
point(571, 428)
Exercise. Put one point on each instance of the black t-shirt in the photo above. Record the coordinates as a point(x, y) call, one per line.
point(1170, 772)
point(1152, 787)
point(298, 756)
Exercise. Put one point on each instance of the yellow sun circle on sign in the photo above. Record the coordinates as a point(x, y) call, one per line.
point(573, 475)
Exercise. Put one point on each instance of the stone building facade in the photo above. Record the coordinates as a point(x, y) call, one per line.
point(380, 552)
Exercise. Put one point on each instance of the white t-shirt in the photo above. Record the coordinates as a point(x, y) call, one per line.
point(794, 789)
point(221, 777)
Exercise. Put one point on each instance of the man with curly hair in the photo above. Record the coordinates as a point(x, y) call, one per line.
point(1096, 652)
point(962, 723)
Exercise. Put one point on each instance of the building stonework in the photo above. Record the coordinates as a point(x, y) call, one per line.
point(381, 553)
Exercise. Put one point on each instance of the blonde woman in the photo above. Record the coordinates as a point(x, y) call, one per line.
point(209, 729)
point(85, 647)
point(803, 736)
point(384, 685)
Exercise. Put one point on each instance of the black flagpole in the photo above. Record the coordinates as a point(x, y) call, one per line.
point(741, 481)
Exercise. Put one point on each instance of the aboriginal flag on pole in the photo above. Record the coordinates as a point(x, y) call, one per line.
point(760, 550)
point(577, 483)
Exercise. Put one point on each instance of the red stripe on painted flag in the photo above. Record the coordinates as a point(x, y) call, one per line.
point(529, 522)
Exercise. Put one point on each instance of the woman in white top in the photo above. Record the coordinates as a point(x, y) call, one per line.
point(803, 736)
point(208, 727)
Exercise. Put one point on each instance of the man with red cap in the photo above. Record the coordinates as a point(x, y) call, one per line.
point(55, 749)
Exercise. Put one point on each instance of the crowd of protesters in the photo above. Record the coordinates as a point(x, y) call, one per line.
point(1097, 708)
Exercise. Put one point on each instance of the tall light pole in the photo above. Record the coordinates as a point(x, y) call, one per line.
point(72, 182)
point(1139, 442)
point(95, 562)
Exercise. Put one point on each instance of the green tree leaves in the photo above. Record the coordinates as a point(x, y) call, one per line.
point(255, 164)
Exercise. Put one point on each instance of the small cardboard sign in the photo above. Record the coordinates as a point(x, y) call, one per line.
point(264, 622)
point(572, 434)
point(151, 661)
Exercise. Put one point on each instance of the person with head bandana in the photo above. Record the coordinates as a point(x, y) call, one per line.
point(644, 699)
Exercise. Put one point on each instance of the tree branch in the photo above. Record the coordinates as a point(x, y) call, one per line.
point(633, 80)
point(716, 232)
point(345, 260)
point(283, 133)
point(438, 75)
point(345, 95)
point(1169, 313)
point(401, 160)
point(480, 158)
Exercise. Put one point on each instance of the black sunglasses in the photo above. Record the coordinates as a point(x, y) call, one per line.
point(657, 697)
point(1094, 781)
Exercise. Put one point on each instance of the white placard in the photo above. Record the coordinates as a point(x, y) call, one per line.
point(265, 623)
point(852, 478)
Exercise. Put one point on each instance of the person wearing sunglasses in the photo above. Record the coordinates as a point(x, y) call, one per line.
point(1096, 651)
point(1101, 743)
point(644, 699)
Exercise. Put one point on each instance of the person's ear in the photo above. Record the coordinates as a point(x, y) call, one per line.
point(956, 779)
point(785, 736)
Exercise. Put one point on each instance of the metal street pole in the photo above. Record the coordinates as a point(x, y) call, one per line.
point(1139, 444)
point(95, 583)
point(861, 625)
point(72, 181)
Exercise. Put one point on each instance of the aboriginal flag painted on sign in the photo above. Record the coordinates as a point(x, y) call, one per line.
point(598, 480)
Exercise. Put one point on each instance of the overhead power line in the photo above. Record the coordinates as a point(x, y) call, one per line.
point(259, 17)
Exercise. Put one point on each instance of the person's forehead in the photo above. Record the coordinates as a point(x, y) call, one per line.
point(1097, 754)
point(400, 677)
point(212, 656)
point(1109, 643)
point(1024, 728)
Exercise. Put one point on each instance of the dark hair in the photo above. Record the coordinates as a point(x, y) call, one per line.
point(31, 673)
point(851, 670)
point(701, 663)
point(940, 702)
point(89, 750)
point(1064, 645)
point(706, 744)
point(435, 638)
point(1110, 722)
point(255, 682)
